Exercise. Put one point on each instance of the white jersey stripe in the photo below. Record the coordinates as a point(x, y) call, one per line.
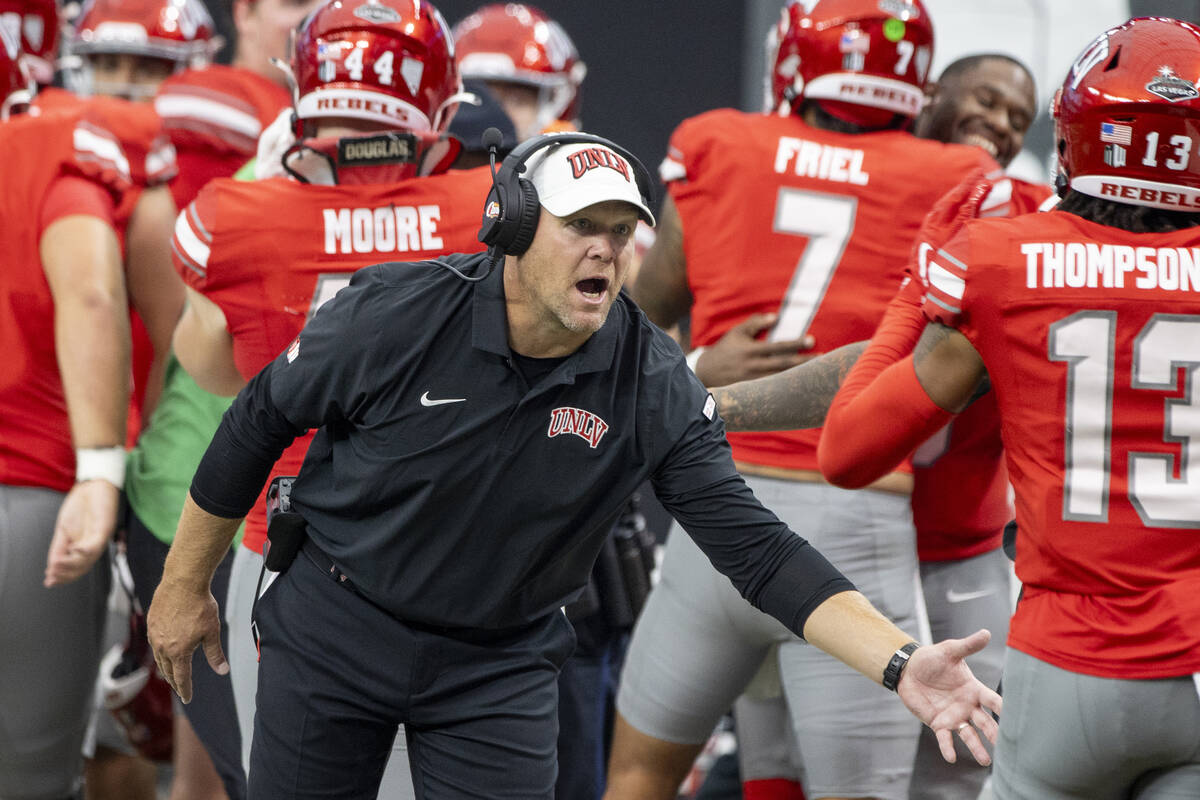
point(179, 106)
point(87, 141)
point(945, 281)
point(160, 160)
point(671, 170)
point(1000, 195)
point(189, 244)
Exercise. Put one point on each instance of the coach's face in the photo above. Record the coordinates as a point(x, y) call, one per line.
point(560, 290)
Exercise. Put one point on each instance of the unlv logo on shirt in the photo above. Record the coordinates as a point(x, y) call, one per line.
point(584, 424)
point(584, 160)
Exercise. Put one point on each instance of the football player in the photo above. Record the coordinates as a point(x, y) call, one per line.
point(364, 182)
point(989, 101)
point(529, 63)
point(126, 48)
point(1085, 321)
point(214, 115)
point(65, 396)
point(799, 222)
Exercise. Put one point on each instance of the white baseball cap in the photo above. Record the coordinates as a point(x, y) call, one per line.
point(569, 177)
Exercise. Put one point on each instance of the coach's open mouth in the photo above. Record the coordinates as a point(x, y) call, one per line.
point(593, 289)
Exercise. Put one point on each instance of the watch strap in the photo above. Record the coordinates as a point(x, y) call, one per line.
point(895, 667)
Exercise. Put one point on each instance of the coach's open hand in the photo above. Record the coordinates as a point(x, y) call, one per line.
point(938, 687)
point(180, 619)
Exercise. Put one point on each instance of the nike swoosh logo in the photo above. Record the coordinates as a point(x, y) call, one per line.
point(962, 597)
point(425, 401)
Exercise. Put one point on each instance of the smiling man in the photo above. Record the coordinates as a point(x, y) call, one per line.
point(986, 100)
point(443, 538)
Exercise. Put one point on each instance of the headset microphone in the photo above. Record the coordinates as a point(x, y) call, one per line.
point(492, 140)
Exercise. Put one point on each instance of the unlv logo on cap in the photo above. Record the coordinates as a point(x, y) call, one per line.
point(583, 161)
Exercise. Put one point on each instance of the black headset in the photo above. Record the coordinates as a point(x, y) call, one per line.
point(510, 216)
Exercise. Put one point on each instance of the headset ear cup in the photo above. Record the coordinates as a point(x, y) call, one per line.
point(526, 224)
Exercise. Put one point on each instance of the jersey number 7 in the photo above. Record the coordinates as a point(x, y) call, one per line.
point(828, 222)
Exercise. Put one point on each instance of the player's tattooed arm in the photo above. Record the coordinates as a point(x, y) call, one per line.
point(661, 287)
point(948, 367)
point(795, 398)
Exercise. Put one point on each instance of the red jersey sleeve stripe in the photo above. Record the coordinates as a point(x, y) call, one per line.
point(96, 144)
point(197, 224)
point(182, 262)
point(188, 247)
point(947, 282)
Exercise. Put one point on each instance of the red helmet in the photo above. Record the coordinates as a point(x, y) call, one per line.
point(174, 30)
point(14, 78)
point(388, 61)
point(37, 24)
point(516, 43)
point(1127, 119)
point(864, 60)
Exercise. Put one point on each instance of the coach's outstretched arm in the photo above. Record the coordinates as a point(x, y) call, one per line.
point(936, 685)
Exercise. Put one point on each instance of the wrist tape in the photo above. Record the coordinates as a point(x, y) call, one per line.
point(103, 463)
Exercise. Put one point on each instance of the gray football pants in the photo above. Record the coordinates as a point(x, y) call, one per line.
point(698, 643)
point(1068, 736)
point(50, 642)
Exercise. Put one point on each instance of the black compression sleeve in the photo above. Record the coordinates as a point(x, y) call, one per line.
point(251, 437)
point(804, 574)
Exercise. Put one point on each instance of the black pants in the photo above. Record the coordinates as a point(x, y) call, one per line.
point(587, 696)
point(338, 674)
point(212, 712)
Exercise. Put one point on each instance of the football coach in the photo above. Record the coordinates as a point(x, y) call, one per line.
point(482, 419)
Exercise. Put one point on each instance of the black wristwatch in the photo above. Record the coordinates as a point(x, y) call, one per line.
point(895, 667)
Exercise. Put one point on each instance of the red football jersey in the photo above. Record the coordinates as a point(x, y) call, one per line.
point(214, 117)
point(152, 162)
point(36, 448)
point(270, 252)
point(139, 130)
point(1091, 338)
point(817, 226)
point(960, 493)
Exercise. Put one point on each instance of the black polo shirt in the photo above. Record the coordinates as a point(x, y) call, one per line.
point(452, 493)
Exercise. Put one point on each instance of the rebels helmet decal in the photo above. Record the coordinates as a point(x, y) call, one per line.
point(1127, 118)
point(389, 61)
point(863, 60)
